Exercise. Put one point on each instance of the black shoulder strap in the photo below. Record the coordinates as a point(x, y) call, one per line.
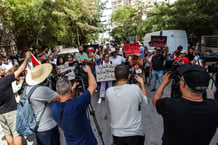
point(28, 97)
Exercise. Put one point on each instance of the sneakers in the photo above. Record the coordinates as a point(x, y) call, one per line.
point(99, 101)
point(153, 90)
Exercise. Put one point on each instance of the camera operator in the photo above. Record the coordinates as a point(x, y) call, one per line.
point(70, 113)
point(124, 101)
point(191, 119)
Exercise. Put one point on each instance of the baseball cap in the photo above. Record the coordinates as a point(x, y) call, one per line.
point(195, 76)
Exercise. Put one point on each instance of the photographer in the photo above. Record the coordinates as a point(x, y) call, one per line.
point(190, 119)
point(124, 101)
point(70, 112)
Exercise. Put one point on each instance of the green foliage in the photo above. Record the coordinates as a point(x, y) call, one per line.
point(197, 17)
point(125, 18)
point(44, 23)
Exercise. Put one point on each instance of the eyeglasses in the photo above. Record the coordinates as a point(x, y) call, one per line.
point(69, 57)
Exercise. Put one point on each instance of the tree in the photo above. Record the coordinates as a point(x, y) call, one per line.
point(125, 19)
point(197, 17)
point(45, 23)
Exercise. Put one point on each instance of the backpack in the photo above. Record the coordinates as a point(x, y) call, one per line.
point(26, 123)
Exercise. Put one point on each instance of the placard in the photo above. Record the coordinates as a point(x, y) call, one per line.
point(69, 70)
point(132, 48)
point(105, 72)
point(158, 41)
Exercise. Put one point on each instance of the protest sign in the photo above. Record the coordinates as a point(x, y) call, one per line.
point(158, 41)
point(69, 69)
point(105, 72)
point(132, 48)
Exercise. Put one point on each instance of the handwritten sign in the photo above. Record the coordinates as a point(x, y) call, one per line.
point(132, 48)
point(69, 69)
point(158, 41)
point(105, 72)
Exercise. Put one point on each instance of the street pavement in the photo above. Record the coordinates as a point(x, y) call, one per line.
point(153, 123)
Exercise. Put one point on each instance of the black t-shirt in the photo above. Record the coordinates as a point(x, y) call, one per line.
point(7, 98)
point(187, 122)
point(157, 62)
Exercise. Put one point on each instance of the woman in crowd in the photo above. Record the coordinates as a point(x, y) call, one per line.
point(106, 84)
point(190, 53)
point(70, 58)
point(60, 60)
point(147, 67)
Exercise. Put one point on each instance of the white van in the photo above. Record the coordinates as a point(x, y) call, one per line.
point(173, 39)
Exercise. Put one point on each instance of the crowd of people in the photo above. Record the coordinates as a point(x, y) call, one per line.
point(188, 120)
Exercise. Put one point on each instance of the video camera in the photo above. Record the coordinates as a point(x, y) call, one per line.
point(212, 67)
point(80, 76)
point(133, 73)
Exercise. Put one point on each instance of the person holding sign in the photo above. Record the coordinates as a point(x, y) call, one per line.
point(103, 84)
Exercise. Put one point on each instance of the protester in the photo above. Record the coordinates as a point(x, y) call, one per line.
point(70, 58)
point(177, 52)
point(147, 67)
point(81, 56)
point(8, 105)
point(104, 84)
point(197, 59)
point(115, 58)
point(142, 50)
point(190, 53)
point(124, 101)
point(157, 67)
point(182, 59)
point(16, 87)
point(70, 112)
point(52, 60)
point(191, 119)
point(119, 50)
point(91, 61)
point(47, 132)
point(60, 60)
point(41, 57)
point(6, 65)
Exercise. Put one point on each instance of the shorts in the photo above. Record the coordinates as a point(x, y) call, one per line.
point(8, 123)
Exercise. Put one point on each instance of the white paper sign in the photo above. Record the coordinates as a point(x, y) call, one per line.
point(105, 72)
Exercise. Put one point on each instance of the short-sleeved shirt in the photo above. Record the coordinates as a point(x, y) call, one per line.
point(75, 124)
point(117, 60)
point(187, 122)
point(124, 104)
point(157, 62)
point(40, 96)
point(82, 56)
point(7, 98)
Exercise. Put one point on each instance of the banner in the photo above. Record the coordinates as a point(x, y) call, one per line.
point(105, 72)
point(68, 71)
point(132, 48)
point(158, 41)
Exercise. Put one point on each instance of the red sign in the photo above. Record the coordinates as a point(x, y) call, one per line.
point(132, 48)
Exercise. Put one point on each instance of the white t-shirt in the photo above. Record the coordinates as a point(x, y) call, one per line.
point(117, 60)
point(124, 104)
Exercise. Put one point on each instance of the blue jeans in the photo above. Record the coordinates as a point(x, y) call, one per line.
point(49, 137)
point(156, 75)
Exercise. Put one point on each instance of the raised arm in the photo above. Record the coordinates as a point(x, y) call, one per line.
point(91, 80)
point(23, 65)
point(160, 90)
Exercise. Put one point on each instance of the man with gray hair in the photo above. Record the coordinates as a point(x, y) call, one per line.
point(70, 112)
